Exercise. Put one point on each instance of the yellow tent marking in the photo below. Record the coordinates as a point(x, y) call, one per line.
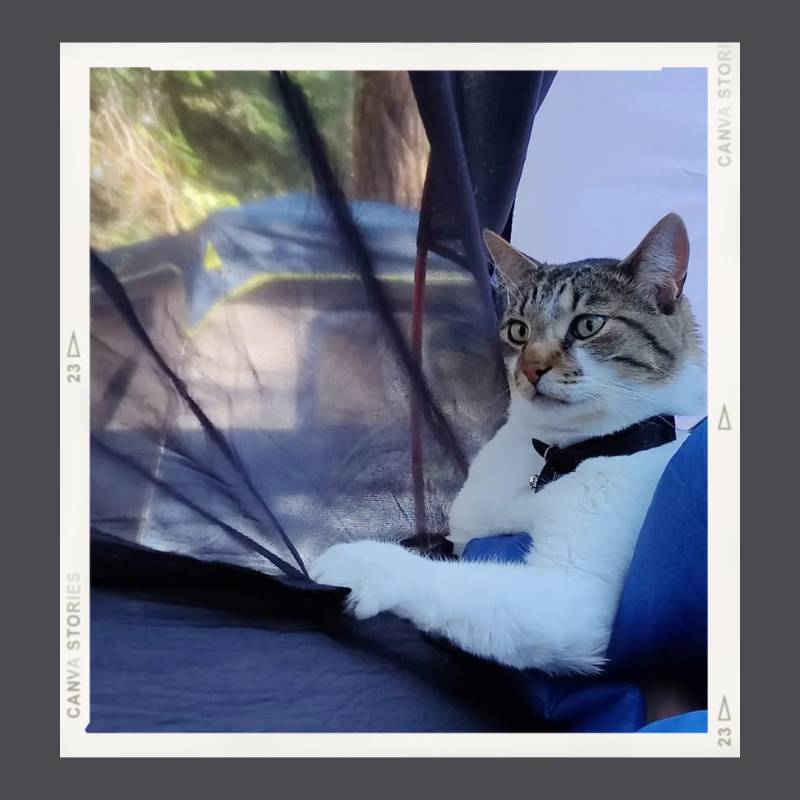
point(257, 281)
point(211, 259)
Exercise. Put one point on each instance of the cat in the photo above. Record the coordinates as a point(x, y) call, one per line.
point(590, 348)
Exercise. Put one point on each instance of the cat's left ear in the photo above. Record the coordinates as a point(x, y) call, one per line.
point(514, 267)
point(658, 265)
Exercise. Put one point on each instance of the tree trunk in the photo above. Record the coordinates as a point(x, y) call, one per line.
point(390, 148)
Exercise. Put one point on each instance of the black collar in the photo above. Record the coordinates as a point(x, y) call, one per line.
point(558, 461)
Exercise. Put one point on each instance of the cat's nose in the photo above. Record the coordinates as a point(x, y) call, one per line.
point(533, 372)
point(537, 361)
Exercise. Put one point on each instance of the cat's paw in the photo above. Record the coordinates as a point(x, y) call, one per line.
point(375, 573)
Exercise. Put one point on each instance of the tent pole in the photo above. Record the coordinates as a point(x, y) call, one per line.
point(417, 469)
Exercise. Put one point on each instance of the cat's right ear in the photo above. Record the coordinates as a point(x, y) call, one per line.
point(513, 266)
point(658, 265)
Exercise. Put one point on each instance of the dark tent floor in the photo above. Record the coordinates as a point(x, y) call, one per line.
point(204, 662)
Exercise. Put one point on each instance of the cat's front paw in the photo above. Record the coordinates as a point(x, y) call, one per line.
point(373, 571)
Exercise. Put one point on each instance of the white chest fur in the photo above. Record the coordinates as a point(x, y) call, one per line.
point(588, 520)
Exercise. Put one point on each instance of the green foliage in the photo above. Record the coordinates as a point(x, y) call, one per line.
point(167, 148)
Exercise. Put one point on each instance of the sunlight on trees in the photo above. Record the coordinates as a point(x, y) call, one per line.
point(168, 148)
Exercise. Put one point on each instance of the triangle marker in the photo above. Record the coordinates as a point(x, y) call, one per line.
point(724, 420)
point(724, 711)
point(72, 350)
point(211, 258)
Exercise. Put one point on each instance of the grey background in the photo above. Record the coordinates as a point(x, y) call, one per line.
point(34, 367)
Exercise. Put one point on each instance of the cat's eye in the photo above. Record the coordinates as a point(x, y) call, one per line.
point(587, 325)
point(517, 332)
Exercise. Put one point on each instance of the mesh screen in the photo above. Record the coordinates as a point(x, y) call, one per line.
point(256, 392)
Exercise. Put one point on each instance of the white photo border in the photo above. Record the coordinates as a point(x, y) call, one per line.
point(722, 62)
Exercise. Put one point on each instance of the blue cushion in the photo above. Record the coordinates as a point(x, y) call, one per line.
point(583, 705)
point(662, 620)
point(662, 617)
point(692, 722)
point(505, 547)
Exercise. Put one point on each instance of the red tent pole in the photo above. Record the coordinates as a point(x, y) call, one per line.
point(417, 309)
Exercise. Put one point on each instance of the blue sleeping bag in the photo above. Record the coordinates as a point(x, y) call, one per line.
point(661, 624)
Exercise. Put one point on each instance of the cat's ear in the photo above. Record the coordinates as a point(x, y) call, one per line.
point(513, 266)
point(658, 265)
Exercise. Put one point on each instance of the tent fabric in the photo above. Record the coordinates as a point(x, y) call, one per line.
point(293, 370)
point(287, 237)
point(180, 644)
point(205, 662)
point(479, 127)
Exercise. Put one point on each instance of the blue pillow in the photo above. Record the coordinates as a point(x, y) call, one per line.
point(662, 620)
point(692, 722)
point(506, 547)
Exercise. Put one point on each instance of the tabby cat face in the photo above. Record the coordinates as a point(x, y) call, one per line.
point(596, 335)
